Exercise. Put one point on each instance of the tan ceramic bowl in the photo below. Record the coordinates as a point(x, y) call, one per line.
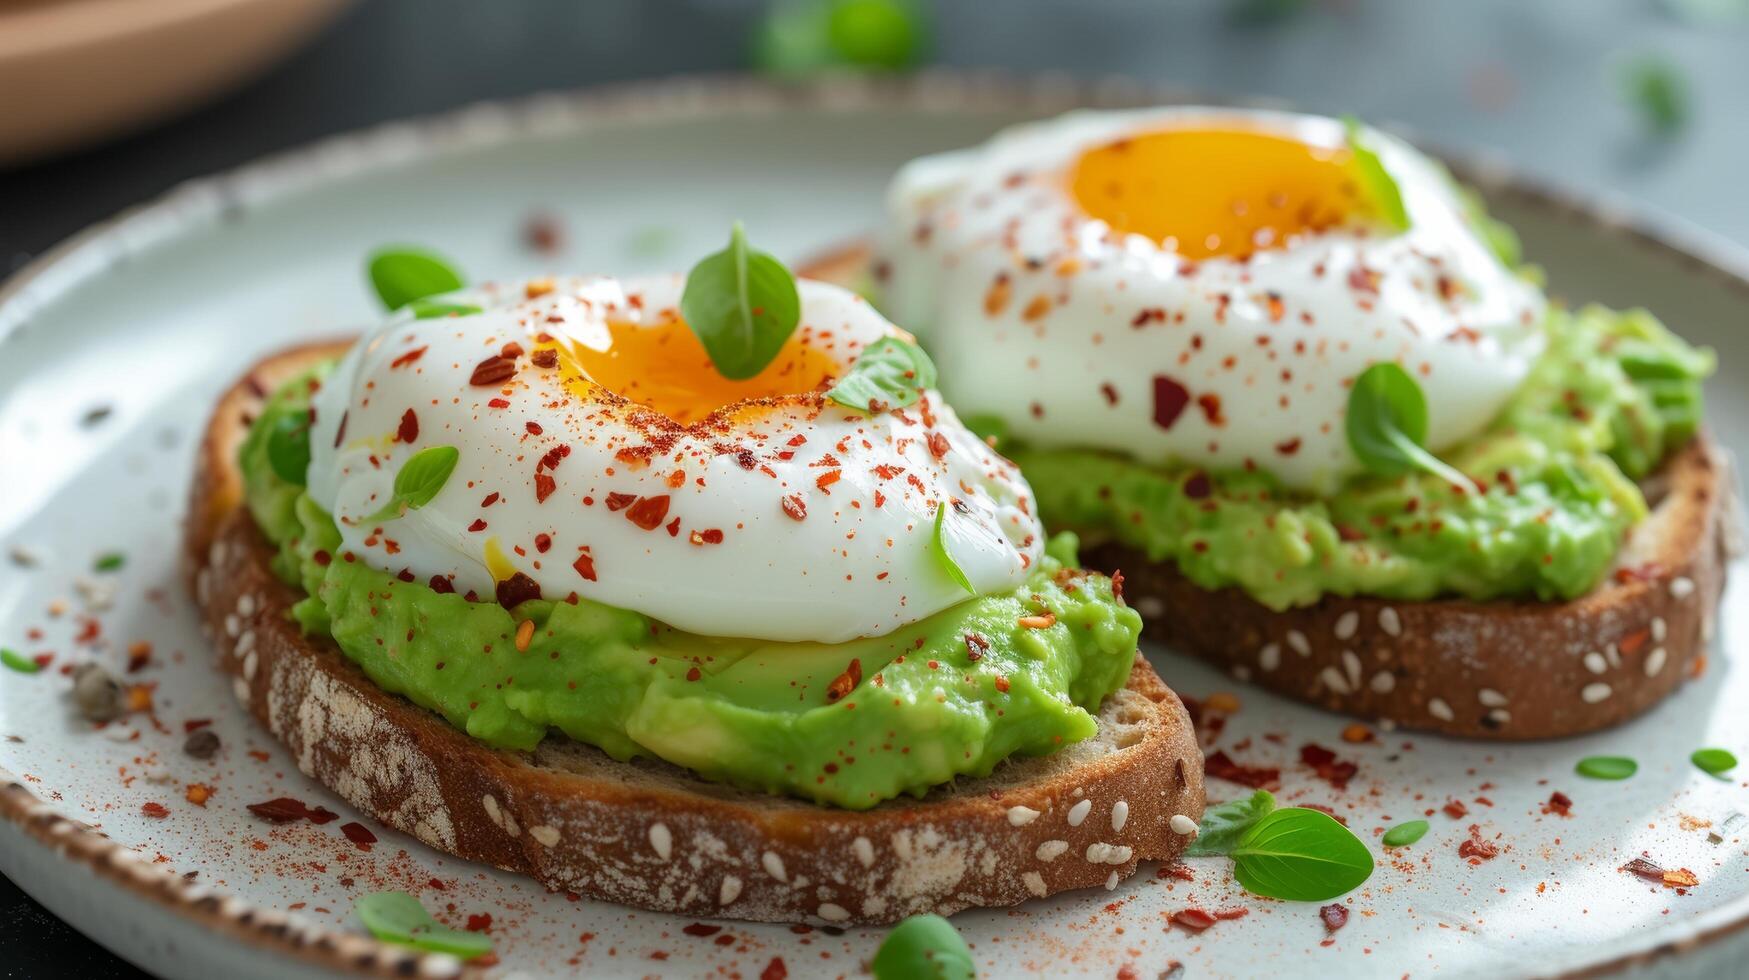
point(75, 71)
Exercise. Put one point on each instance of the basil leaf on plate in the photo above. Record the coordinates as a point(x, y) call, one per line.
point(1613, 767)
point(1713, 761)
point(923, 947)
point(1301, 855)
point(938, 546)
point(397, 917)
point(743, 305)
point(1406, 833)
point(402, 274)
point(288, 447)
point(1223, 825)
point(1387, 425)
point(420, 480)
point(888, 372)
point(18, 661)
point(1380, 185)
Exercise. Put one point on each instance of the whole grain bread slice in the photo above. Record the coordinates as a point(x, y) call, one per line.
point(653, 835)
point(1510, 670)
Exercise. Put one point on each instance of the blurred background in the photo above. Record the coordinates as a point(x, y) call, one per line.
point(105, 103)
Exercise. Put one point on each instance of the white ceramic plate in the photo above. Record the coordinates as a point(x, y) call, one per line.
point(150, 316)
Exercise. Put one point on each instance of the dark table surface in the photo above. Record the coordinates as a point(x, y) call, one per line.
point(1537, 82)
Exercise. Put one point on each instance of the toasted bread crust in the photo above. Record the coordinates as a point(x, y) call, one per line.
point(651, 835)
point(1502, 669)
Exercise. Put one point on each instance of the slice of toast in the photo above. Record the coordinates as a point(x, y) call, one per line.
point(1501, 669)
point(654, 835)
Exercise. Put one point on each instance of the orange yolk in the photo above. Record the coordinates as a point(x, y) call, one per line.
point(1207, 193)
point(666, 369)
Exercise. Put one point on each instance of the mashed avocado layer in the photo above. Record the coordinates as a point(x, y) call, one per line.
point(952, 695)
point(1611, 397)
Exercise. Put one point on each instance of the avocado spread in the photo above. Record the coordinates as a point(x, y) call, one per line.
point(1611, 397)
point(847, 724)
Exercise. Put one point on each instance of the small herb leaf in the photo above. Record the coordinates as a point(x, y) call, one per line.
point(18, 661)
point(1223, 825)
point(742, 305)
point(420, 480)
point(109, 562)
point(890, 372)
point(402, 275)
point(1301, 855)
point(397, 917)
point(923, 947)
point(1387, 424)
point(1606, 767)
point(938, 545)
point(288, 447)
point(1378, 181)
point(1404, 834)
point(1658, 92)
point(1713, 761)
point(432, 309)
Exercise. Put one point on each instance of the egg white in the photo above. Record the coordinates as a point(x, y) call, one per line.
point(728, 558)
point(1267, 379)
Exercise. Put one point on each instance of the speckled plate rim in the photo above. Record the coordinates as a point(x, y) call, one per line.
point(204, 201)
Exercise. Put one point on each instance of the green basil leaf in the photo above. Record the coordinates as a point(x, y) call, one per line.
point(403, 274)
point(288, 447)
point(420, 480)
point(431, 309)
point(1713, 761)
point(938, 545)
point(18, 661)
point(1223, 825)
point(1404, 834)
point(888, 372)
point(742, 305)
point(1606, 767)
point(397, 917)
point(923, 947)
point(1380, 185)
point(109, 562)
point(798, 39)
point(1387, 425)
point(1658, 92)
point(1301, 855)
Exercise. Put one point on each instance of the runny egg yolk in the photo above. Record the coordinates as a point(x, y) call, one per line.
point(1219, 193)
point(665, 368)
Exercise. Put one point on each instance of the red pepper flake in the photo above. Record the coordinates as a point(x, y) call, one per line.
point(340, 430)
point(1211, 409)
point(498, 403)
point(157, 811)
point(1197, 487)
point(1117, 583)
point(492, 371)
point(693, 673)
point(709, 535)
point(544, 486)
point(517, 589)
point(1363, 280)
point(533, 428)
point(198, 794)
point(489, 500)
point(1002, 683)
point(795, 507)
point(1477, 849)
point(826, 479)
point(1681, 878)
point(1170, 399)
point(284, 809)
point(195, 724)
point(550, 461)
point(620, 501)
point(1195, 920)
point(1645, 869)
point(1559, 803)
point(408, 358)
point(441, 585)
point(937, 445)
point(585, 566)
point(1288, 447)
point(701, 929)
point(478, 525)
point(1336, 772)
point(480, 923)
point(1456, 810)
point(409, 427)
point(543, 542)
point(546, 357)
point(846, 682)
point(1221, 766)
point(359, 835)
point(321, 557)
point(648, 512)
point(1335, 916)
point(775, 970)
point(975, 647)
